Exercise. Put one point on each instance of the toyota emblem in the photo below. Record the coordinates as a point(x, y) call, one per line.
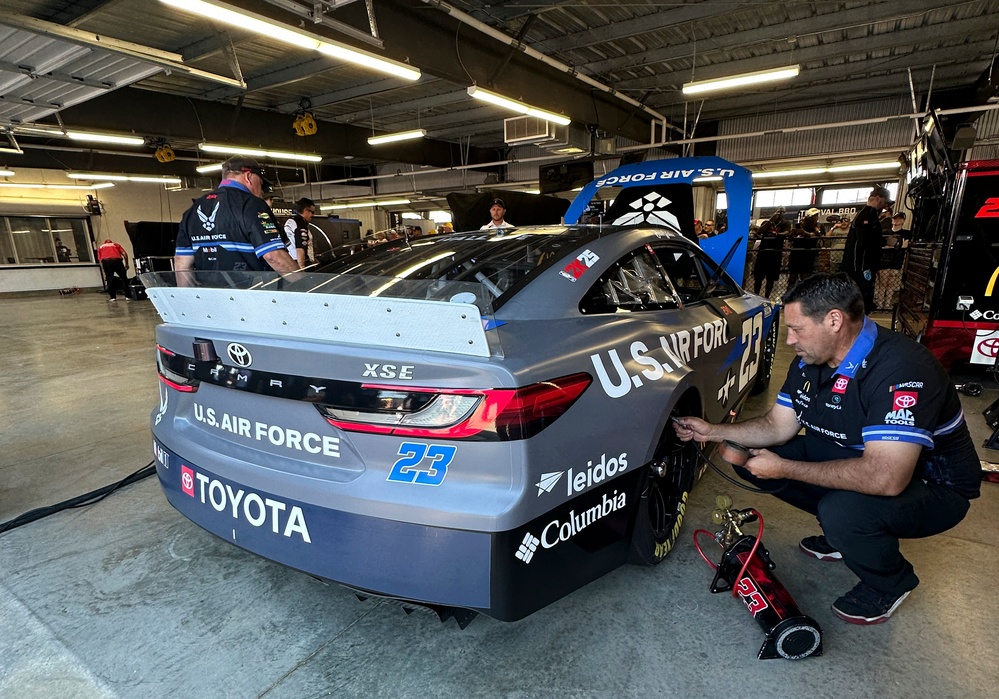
point(905, 401)
point(239, 354)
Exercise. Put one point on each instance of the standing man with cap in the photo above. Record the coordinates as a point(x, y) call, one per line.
point(497, 211)
point(231, 227)
point(113, 259)
point(862, 254)
point(296, 229)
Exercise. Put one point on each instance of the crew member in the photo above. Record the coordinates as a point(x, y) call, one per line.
point(886, 454)
point(709, 228)
point(862, 254)
point(497, 211)
point(296, 229)
point(801, 261)
point(231, 227)
point(113, 259)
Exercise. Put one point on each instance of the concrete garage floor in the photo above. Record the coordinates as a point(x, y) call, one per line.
point(126, 598)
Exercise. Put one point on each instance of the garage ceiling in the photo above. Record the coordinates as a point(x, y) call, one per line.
point(145, 67)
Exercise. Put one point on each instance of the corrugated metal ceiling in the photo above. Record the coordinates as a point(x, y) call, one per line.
point(645, 49)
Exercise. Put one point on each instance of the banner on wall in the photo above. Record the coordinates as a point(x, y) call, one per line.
point(658, 202)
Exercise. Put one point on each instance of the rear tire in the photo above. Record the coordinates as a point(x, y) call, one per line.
point(762, 382)
point(666, 488)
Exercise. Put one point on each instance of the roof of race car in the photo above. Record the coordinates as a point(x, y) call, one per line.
point(502, 260)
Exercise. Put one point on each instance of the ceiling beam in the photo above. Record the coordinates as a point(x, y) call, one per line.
point(163, 59)
point(364, 90)
point(157, 114)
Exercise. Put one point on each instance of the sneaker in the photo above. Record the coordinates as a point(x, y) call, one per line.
point(865, 605)
point(818, 547)
point(113, 300)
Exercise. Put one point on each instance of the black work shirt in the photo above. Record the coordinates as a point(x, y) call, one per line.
point(862, 251)
point(888, 388)
point(229, 229)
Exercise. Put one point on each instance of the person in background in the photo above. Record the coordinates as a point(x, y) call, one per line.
point(232, 227)
point(417, 232)
point(885, 452)
point(699, 228)
point(709, 228)
point(497, 213)
point(114, 260)
point(903, 235)
point(862, 254)
point(296, 229)
point(801, 261)
point(769, 257)
point(63, 253)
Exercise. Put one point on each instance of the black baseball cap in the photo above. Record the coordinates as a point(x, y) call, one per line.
point(240, 163)
point(879, 191)
point(498, 202)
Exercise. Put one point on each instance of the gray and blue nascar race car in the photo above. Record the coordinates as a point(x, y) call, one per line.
point(475, 422)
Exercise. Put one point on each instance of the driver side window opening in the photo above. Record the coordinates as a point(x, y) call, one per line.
point(634, 283)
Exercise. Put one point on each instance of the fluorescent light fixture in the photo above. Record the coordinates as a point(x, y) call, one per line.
point(515, 106)
point(716, 178)
point(6, 173)
point(857, 167)
point(205, 169)
point(39, 185)
point(100, 177)
point(85, 136)
point(258, 153)
point(364, 204)
point(887, 165)
point(393, 137)
point(220, 12)
point(760, 76)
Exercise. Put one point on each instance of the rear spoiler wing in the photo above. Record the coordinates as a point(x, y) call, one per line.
point(450, 326)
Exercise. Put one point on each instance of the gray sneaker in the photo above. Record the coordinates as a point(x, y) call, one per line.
point(818, 547)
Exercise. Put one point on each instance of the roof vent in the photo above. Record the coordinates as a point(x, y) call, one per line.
point(527, 129)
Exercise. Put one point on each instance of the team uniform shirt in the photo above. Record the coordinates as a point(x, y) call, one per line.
point(296, 230)
point(887, 388)
point(109, 251)
point(495, 225)
point(229, 229)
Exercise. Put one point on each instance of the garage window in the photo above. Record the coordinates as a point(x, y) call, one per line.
point(33, 240)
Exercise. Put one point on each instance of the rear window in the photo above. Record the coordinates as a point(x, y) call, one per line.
point(501, 263)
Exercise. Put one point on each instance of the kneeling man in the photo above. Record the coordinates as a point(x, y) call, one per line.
point(885, 454)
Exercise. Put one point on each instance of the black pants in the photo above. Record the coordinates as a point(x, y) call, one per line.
point(866, 528)
point(866, 289)
point(112, 268)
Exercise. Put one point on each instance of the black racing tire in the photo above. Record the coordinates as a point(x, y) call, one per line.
point(666, 487)
point(762, 382)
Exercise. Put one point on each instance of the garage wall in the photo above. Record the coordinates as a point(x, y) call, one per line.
point(987, 139)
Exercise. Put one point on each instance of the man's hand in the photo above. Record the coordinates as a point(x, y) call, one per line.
point(765, 464)
point(688, 428)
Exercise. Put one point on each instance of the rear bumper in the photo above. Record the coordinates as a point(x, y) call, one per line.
point(396, 558)
point(505, 575)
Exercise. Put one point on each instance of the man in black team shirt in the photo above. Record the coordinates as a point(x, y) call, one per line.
point(886, 454)
point(231, 227)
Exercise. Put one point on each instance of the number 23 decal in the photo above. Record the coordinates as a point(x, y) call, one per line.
point(423, 464)
point(752, 335)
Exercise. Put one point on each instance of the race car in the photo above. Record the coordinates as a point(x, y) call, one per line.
point(476, 423)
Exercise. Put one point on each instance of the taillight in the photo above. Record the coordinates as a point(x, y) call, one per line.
point(172, 377)
point(501, 414)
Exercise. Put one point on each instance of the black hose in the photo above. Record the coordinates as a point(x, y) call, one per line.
point(94, 496)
